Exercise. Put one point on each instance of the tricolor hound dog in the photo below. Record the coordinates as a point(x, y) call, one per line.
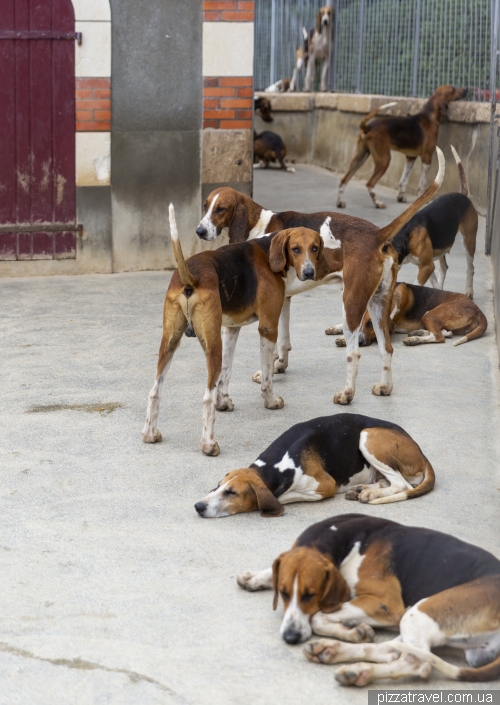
point(232, 287)
point(370, 460)
point(352, 572)
point(429, 316)
point(269, 147)
point(320, 47)
point(414, 136)
point(431, 234)
point(263, 105)
point(358, 250)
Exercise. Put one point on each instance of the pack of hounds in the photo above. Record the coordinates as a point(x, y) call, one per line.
point(351, 573)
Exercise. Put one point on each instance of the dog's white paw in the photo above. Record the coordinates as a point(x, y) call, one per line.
point(152, 437)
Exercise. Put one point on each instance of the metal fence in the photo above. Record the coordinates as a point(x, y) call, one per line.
point(390, 47)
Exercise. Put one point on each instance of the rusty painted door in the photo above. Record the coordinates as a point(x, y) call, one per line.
point(37, 130)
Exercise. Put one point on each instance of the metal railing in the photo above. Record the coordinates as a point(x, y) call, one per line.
point(389, 47)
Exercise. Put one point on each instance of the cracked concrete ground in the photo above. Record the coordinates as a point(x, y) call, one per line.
point(112, 590)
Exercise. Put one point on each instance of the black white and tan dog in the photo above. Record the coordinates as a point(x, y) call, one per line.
point(233, 286)
point(354, 248)
point(320, 47)
point(431, 234)
point(414, 136)
point(370, 460)
point(428, 316)
point(352, 572)
point(269, 147)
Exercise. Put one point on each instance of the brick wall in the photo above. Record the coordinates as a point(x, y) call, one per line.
point(228, 11)
point(93, 104)
point(227, 102)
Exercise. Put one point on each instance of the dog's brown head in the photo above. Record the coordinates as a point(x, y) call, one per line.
point(227, 208)
point(308, 582)
point(302, 249)
point(263, 105)
point(442, 97)
point(324, 17)
point(240, 491)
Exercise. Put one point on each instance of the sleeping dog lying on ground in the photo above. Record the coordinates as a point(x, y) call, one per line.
point(352, 572)
point(429, 315)
point(232, 287)
point(370, 460)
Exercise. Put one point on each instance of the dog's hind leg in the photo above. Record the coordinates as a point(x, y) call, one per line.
point(174, 326)
point(362, 154)
point(382, 162)
point(443, 266)
point(352, 345)
point(207, 322)
point(229, 340)
point(410, 161)
point(468, 228)
point(378, 308)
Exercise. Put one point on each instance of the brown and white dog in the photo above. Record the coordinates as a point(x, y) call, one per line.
point(358, 250)
point(429, 316)
point(414, 136)
point(263, 105)
point(352, 572)
point(431, 234)
point(371, 460)
point(269, 147)
point(232, 287)
point(320, 47)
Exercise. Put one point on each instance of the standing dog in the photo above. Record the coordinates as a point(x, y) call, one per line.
point(414, 136)
point(349, 573)
point(429, 315)
point(232, 287)
point(431, 234)
point(357, 249)
point(269, 147)
point(370, 460)
point(320, 47)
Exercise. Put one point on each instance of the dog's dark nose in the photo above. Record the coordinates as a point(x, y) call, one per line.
point(200, 507)
point(291, 636)
point(308, 273)
point(201, 231)
point(362, 340)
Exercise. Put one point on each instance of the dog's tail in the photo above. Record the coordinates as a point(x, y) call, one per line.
point(371, 115)
point(425, 486)
point(187, 278)
point(386, 234)
point(464, 186)
point(482, 325)
point(472, 675)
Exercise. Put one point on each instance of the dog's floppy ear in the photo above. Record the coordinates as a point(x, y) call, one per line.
point(322, 266)
point(276, 571)
point(277, 251)
point(238, 230)
point(443, 110)
point(336, 591)
point(318, 21)
point(267, 503)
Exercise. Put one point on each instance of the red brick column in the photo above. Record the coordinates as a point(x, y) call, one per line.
point(93, 104)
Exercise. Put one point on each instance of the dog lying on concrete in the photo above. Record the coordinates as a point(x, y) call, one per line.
point(352, 572)
point(414, 136)
point(370, 460)
point(431, 234)
point(232, 287)
point(269, 147)
point(429, 315)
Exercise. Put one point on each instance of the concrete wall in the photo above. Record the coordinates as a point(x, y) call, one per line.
point(322, 129)
point(156, 128)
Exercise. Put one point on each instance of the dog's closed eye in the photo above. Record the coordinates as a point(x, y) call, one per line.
point(228, 492)
point(308, 596)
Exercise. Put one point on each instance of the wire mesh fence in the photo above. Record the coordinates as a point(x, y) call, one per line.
point(389, 47)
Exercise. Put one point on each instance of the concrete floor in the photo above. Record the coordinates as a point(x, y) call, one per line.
point(112, 590)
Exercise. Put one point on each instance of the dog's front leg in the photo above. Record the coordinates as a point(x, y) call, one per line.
point(284, 345)
point(379, 313)
point(423, 178)
point(267, 348)
point(311, 68)
point(256, 580)
point(324, 73)
point(352, 345)
point(410, 161)
point(229, 340)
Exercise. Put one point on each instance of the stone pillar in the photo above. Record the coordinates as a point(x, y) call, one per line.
point(227, 141)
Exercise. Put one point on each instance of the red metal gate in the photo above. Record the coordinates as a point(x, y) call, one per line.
point(37, 130)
